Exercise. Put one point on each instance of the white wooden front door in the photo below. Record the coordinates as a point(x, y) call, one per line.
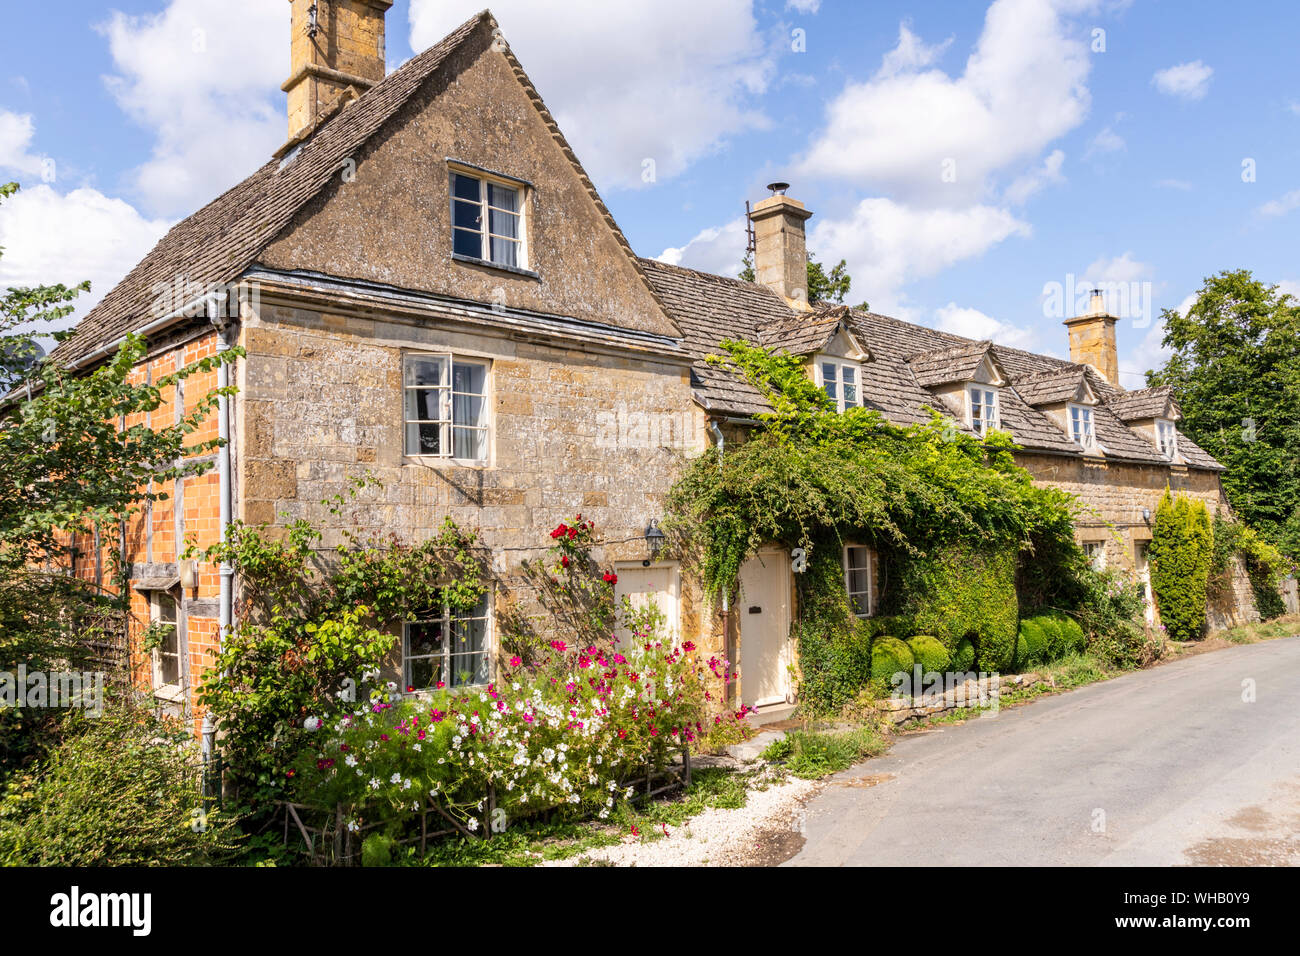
point(660, 585)
point(1142, 561)
point(763, 606)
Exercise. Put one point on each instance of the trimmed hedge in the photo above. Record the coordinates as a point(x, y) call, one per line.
point(889, 655)
point(929, 653)
point(958, 593)
point(1182, 552)
point(963, 655)
point(1048, 637)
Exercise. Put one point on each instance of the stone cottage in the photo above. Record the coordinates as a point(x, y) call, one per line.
point(429, 289)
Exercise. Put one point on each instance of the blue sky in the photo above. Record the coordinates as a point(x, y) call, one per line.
point(961, 156)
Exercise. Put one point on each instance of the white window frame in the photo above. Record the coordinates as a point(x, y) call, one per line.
point(1096, 552)
point(447, 620)
point(161, 687)
point(870, 569)
point(982, 396)
point(484, 231)
point(834, 387)
point(445, 422)
point(1166, 437)
point(1087, 437)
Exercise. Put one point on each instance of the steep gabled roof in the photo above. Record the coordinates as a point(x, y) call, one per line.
point(956, 363)
point(806, 333)
point(1157, 402)
point(219, 242)
point(1053, 386)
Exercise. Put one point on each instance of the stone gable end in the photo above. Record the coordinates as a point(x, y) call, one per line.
point(388, 221)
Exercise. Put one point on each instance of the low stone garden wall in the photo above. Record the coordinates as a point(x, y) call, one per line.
point(957, 692)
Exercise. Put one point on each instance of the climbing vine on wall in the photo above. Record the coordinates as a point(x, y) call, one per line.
point(813, 478)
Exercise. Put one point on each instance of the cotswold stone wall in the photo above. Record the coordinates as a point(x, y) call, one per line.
point(572, 431)
point(1115, 494)
point(1234, 603)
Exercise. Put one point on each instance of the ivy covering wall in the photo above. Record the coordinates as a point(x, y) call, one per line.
point(954, 514)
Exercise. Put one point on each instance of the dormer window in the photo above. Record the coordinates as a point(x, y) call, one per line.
point(487, 220)
point(983, 409)
point(1166, 437)
point(842, 381)
point(1081, 426)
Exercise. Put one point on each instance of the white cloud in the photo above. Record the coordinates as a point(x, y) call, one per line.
point(1023, 187)
point(1189, 81)
point(50, 237)
point(975, 324)
point(1106, 141)
point(16, 134)
point(1282, 205)
point(1123, 268)
point(209, 94)
point(803, 6)
point(887, 244)
point(1291, 287)
point(718, 250)
point(668, 80)
point(911, 53)
point(1022, 88)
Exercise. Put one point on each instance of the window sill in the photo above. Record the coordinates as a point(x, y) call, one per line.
point(171, 693)
point(437, 461)
point(496, 266)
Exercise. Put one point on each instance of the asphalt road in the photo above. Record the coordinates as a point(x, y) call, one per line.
point(1169, 766)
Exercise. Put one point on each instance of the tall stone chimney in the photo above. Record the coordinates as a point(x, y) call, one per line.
point(780, 246)
point(1092, 339)
point(336, 45)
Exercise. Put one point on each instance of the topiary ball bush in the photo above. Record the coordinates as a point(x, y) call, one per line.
point(889, 655)
point(930, 653)
point(1037, 647)
point(963, 655)
point(1073, 640)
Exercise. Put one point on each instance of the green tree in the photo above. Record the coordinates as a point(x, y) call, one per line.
point(68, 465)
point(1235, 370)
point(1182, 554)
point(823, 286)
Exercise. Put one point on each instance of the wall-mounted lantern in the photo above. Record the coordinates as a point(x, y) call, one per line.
point(1146, 515)
point(189, 574)
point(654, 539)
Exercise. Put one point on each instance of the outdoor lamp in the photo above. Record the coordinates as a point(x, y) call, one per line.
point(189, 575)
point(1146, 515)
point(655, 539)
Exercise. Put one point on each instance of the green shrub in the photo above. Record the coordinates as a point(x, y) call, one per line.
point(957, 592)
point(1073, 640)
point(121, 790)
point(889, 655)
point(929, 653)
point(1036, 641)
point(963, 656)
point(1182, 552)
point(834, 646)
point(1022, 654)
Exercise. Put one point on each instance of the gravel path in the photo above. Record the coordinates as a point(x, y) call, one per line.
point(766, 831)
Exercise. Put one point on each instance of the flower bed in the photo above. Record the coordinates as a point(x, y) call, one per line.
point(566, 733)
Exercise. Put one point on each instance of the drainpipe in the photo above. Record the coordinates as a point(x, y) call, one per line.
point(718, 438)
point(225, 330)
